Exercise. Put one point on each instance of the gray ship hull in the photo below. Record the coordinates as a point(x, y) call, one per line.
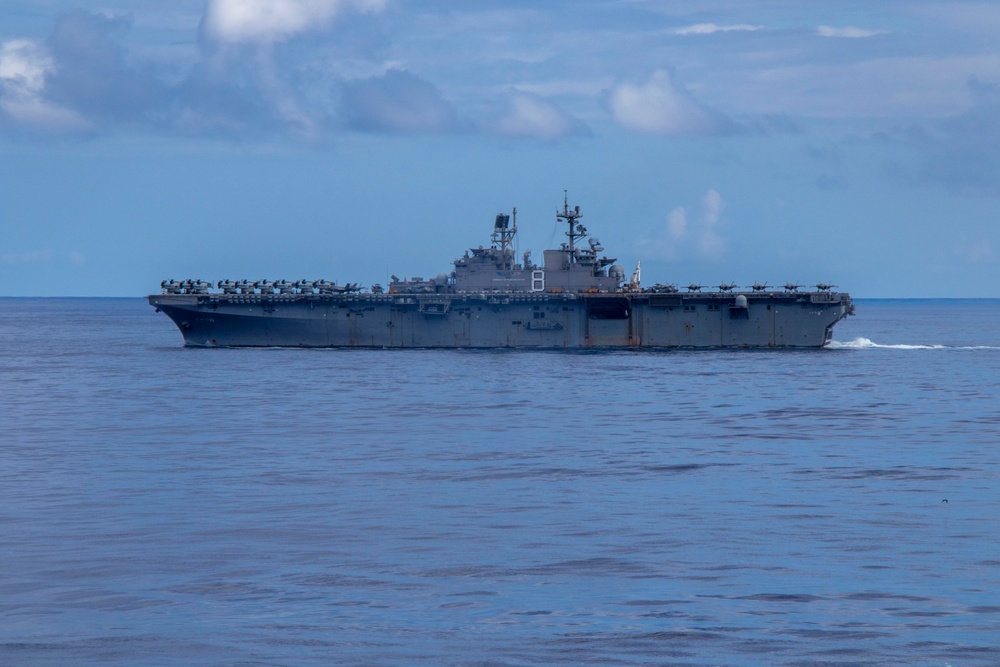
point(615, 320)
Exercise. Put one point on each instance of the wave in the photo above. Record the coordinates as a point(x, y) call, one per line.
point(868, 344)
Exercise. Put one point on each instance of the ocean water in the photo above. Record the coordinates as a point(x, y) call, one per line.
point(170, 506)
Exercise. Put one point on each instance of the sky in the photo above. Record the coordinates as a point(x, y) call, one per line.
point(854, 143)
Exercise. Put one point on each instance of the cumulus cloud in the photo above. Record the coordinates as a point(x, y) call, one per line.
point(849, 32)
point(82, 79)
point(24, 66)
point(694, 230)
point(661, 107)
point(712, 203)
point(397, 102)
point(264, 21)
point(255, 78)
point(710, 242)
point(528, 115)
point(77, 80)
point(710, 28)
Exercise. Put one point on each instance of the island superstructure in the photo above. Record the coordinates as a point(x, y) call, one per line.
point(577, 298)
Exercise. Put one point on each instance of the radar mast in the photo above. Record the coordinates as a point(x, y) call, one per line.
point(576, 231)
point(504, 230)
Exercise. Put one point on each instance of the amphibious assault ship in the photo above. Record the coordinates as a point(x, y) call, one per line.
point(577, 298)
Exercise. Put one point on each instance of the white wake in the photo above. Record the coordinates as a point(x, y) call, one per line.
point(868, 344)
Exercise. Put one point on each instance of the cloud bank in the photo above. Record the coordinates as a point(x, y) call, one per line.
point(308, 70)
point(258, 76)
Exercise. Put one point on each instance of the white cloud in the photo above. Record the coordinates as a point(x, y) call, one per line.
point(82, 79)
point(685, 232)
point(532, 116)
point(712, 201)
point(850, 32)
point(710, 28)
point(24, 65)
point(660, 107)
point(240, 21)
point(677, 223)
point(77, 258)
point(710, 243)
point(25, 62)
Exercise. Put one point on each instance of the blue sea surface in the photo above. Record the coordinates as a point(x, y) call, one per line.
point(162, 505)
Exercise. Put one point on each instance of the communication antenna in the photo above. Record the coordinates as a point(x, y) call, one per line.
point(517, 245)
point(503, 238)
point(575, 231)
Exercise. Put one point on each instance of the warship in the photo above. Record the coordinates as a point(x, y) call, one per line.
point(577, 298)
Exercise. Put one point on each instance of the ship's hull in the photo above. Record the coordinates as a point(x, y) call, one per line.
point(636, 320)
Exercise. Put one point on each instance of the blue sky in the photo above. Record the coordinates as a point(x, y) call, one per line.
point(714, 140)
